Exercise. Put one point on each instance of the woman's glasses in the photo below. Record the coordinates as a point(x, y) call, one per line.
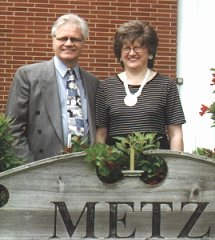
point(135, 49)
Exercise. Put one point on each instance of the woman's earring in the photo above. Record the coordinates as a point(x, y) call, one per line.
point(150, 56)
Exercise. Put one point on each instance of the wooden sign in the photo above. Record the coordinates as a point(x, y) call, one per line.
point(62, 198)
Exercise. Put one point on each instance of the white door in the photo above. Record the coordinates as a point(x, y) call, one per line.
point(195, 57)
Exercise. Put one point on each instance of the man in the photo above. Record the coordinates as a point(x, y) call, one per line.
point(37, 102)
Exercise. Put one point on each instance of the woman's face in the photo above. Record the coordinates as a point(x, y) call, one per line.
point(134, 56)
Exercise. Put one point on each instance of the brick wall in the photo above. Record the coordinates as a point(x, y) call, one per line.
point(26, 24)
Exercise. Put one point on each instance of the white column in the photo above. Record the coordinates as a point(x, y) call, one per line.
point(195, 57)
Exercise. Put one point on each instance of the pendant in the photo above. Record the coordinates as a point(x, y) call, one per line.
point(130, 100)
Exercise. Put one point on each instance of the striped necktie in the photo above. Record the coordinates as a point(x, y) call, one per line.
point(74, 109)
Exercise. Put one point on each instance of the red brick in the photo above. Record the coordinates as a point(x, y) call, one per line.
point(25, 33)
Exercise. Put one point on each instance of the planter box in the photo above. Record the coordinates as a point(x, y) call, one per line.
point(62, 198)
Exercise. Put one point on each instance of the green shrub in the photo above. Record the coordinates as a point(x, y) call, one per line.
point(8, 159)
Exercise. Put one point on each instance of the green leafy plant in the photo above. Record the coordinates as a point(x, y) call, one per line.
point(8, 159)
point(78, 144)
point(106, 158)
point(128, 150)
point(205, 152)
point(154, 167)
point(134, 145)
point(208, 110)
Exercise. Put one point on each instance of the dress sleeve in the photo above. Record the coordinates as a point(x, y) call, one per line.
point(101, 107)
point(174, 110)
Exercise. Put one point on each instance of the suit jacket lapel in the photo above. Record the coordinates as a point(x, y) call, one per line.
point(50, 95)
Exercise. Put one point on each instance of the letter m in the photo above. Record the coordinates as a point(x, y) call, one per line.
point(70, 226)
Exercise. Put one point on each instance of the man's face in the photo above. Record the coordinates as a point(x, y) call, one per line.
point(68, 44)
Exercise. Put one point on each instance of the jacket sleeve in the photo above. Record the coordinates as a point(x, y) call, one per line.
point(17, 112)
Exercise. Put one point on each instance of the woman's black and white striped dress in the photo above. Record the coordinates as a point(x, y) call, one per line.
point(158, 105)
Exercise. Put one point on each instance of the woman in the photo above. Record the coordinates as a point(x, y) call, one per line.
point(139, 99)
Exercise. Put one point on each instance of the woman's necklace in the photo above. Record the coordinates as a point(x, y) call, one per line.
point(131, 98)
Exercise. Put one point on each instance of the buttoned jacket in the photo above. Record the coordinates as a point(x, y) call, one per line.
point(35, 111)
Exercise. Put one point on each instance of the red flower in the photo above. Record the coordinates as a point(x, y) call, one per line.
point(203, 109)
point(213, 80)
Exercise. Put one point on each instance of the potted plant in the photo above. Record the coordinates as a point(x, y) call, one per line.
point(108, 161)
point(127, 154)
point(154, 167)
point(8, 159)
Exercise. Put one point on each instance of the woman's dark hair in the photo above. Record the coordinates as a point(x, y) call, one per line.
point(136, 30)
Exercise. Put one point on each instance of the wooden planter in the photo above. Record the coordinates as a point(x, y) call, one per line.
point(62, 198)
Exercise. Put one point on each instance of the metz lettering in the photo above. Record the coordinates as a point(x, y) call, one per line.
point(113, 219)
point(193, 219)
point(156, 216)
point(90, 208)
point(70, 227)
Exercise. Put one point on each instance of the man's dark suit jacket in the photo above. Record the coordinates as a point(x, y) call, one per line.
point(35, 111)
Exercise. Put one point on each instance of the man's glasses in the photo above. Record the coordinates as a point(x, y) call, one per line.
point(135, 49)
point(73, 40)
